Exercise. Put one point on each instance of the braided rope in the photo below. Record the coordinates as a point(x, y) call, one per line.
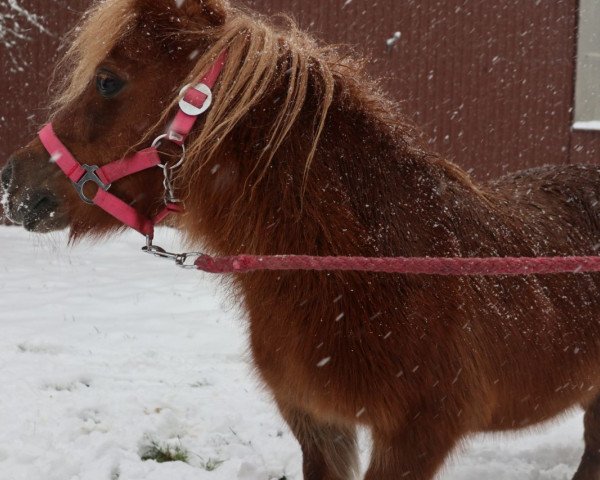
point(423, 266)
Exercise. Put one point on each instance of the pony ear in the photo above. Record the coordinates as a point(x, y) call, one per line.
point(199, 12)
point(168, 22)
point(212, 12)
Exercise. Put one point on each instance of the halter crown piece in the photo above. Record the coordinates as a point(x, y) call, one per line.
point(195, 100)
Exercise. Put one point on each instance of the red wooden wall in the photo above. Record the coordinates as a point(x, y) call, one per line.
point(490, 83)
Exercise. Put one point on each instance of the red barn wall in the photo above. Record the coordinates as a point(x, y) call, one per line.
point(489, 83)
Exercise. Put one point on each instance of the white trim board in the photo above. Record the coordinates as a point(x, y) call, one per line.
point(594, 125)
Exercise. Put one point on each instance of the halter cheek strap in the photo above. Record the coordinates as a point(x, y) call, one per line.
point(195, 101)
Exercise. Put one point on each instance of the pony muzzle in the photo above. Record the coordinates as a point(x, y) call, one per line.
point(37, 207)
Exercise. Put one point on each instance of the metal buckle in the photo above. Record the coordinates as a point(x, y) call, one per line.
point(183, 260)
point(90, 176)
point(190, 109)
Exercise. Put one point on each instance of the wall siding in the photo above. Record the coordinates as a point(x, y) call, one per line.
point(489, 83)
point(27, 64)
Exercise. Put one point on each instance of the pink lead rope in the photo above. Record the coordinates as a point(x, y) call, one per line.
point(491, 266)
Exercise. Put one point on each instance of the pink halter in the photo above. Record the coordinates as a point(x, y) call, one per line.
point(195, 101)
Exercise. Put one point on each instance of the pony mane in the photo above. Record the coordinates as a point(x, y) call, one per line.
point(262, 56)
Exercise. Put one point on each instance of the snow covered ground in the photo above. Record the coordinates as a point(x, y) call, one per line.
point(106, 353)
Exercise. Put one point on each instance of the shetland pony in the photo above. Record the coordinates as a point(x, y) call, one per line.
point(302, 154)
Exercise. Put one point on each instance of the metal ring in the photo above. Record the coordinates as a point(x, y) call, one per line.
point(156, 143)
point(190, 109)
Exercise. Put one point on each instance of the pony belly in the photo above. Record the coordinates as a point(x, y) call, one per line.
point(527, 416)
point(528, 403)
point(315, 386)
point(350, 389)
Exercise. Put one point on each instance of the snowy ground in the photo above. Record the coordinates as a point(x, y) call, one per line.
point(105, 352)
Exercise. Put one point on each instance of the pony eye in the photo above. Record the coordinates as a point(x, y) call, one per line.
point(108, 84)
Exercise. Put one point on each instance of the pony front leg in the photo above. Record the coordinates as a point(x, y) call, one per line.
point(416, 453)
point(329, 451)
point(589, 468)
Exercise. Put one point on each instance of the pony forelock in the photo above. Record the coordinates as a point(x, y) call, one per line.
point(91, 41)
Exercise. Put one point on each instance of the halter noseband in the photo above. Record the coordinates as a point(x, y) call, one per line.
point(195, 100)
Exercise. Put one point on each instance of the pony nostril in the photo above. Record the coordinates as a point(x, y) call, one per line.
point(43, 203)
point(7, 175)
point(39, 207)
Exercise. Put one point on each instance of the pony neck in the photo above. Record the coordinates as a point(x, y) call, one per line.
point(368, 178)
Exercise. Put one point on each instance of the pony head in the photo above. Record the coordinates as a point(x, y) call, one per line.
point(118, 86)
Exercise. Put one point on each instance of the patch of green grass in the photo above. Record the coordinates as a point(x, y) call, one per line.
point(164, 453)
point(200, 384)
point(212, 464)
